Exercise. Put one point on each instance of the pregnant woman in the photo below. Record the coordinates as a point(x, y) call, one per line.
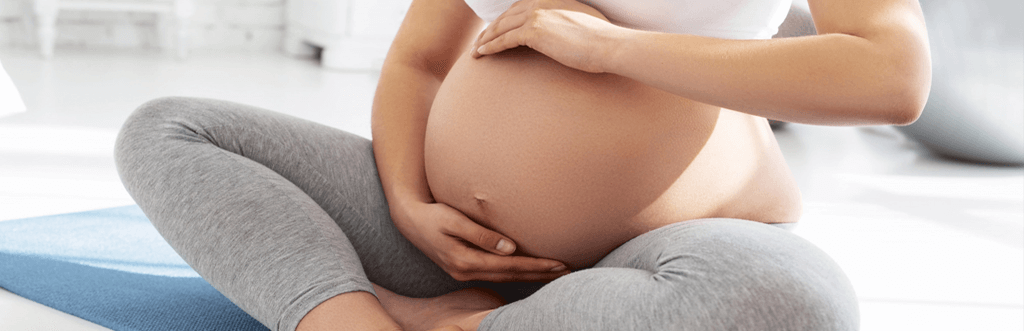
point(592, 165)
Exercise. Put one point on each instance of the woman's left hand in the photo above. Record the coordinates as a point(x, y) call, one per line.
point(567, 31)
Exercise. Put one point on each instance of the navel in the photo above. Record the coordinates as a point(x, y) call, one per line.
point(480, 198)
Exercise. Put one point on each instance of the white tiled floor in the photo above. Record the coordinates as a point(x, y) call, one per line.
point(929, 243)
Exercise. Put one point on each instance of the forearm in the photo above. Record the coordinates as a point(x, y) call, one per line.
point(828, 79)
point(399, 120)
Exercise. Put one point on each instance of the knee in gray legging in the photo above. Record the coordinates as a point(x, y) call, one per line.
point(736, 274)
point(162, 117)
point(139, 132)
point(142, 127)
point(276, 212)
point(715, 274)
point(231, 188)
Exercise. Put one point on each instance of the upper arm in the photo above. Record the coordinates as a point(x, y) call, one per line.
point(868, 18)
point(895, 28)
point(433, 34)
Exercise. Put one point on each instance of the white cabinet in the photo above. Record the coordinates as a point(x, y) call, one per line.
point(354, 34)
point(177, 12)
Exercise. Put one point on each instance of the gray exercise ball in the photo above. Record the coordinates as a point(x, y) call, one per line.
point(975, 111)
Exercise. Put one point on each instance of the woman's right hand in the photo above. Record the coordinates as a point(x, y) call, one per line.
point(468, 251)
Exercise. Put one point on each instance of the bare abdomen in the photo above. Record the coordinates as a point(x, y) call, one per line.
point(568, 164)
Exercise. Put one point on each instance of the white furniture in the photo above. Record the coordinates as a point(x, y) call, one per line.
point(353, 34)
point(175, 16)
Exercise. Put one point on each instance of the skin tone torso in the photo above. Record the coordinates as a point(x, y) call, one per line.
point(570, 164)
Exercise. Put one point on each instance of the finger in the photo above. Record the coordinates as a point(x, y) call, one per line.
point(490, 26)
point(473, 46)
point(500, 27)
point(466, 260)
point(483, 262)
point(482, 237)
point(503, 31)
point(508, 40)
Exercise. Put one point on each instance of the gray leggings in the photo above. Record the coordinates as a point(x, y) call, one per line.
point(280, 214)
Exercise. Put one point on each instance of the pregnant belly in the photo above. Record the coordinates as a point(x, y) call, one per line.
point(568, 164)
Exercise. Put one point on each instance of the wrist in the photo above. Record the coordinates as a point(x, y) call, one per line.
point(612, 48)
point(400, 205)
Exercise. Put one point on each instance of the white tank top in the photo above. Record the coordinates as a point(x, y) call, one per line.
point(726, 19)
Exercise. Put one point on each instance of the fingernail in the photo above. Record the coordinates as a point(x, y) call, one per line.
point(479, 50)
point(558, 268)
point(504, 246)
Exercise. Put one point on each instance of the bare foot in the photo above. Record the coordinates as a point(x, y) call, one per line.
point(463, 308)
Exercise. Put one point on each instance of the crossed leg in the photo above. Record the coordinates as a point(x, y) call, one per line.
point(287, 219)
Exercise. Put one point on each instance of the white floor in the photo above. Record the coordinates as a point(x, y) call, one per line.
point(929, 243)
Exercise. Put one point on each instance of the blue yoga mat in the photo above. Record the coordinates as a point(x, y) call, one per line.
point(112, 268)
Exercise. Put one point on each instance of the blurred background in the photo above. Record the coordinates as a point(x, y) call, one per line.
point(927, 220)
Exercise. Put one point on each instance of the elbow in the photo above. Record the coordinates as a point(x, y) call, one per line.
point(914, 82)
point(904, 118)
point(906, 113)
point(910, 94)
point(890, 106)
point(909, 104)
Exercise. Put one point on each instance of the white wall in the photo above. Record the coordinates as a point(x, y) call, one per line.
point(217, 24)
